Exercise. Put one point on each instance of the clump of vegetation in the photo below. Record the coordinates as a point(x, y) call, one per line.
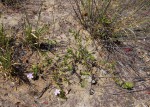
point(107, 20)
point(3, 39)
point(33, 34)
point(5, 59)
point(13, 50)
point(11, 2)
point(68, 63)
point(5, 50)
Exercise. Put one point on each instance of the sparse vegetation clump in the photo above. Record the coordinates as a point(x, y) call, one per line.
point(5, 50)
point(33, 37)
point(110, 21)
point(10, 2)
point(114, 25)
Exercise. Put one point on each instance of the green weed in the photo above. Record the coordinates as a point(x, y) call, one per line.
point(3, 39)
point(5, 59)
point(5, 49)
point(32, 36)
point(124, 84)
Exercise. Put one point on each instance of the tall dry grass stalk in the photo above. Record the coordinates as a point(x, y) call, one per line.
point(110, 20)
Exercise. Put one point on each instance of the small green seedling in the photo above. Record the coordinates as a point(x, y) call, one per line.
point(125, 85)
point(35, 70)
point(62, 95)
point(128, 85)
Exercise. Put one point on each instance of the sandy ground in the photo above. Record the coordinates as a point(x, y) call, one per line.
point(105, 92)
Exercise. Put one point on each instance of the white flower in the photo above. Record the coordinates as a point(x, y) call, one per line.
point(30, 75)
point(57, 91)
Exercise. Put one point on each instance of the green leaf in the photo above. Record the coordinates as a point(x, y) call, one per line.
point(62, 95)
point(128, 85)
point(35, 69)
point(85, 73)
point(83, 83)
point(118, 81)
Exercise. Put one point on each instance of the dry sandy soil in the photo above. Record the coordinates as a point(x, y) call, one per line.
point(105, 93)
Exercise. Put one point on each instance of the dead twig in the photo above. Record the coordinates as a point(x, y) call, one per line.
point(44, 90)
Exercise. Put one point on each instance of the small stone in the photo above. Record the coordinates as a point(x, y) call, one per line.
point(1, 103)
point(92, 91)
point(89, 79)
point(103, 71)
point(93, 82)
